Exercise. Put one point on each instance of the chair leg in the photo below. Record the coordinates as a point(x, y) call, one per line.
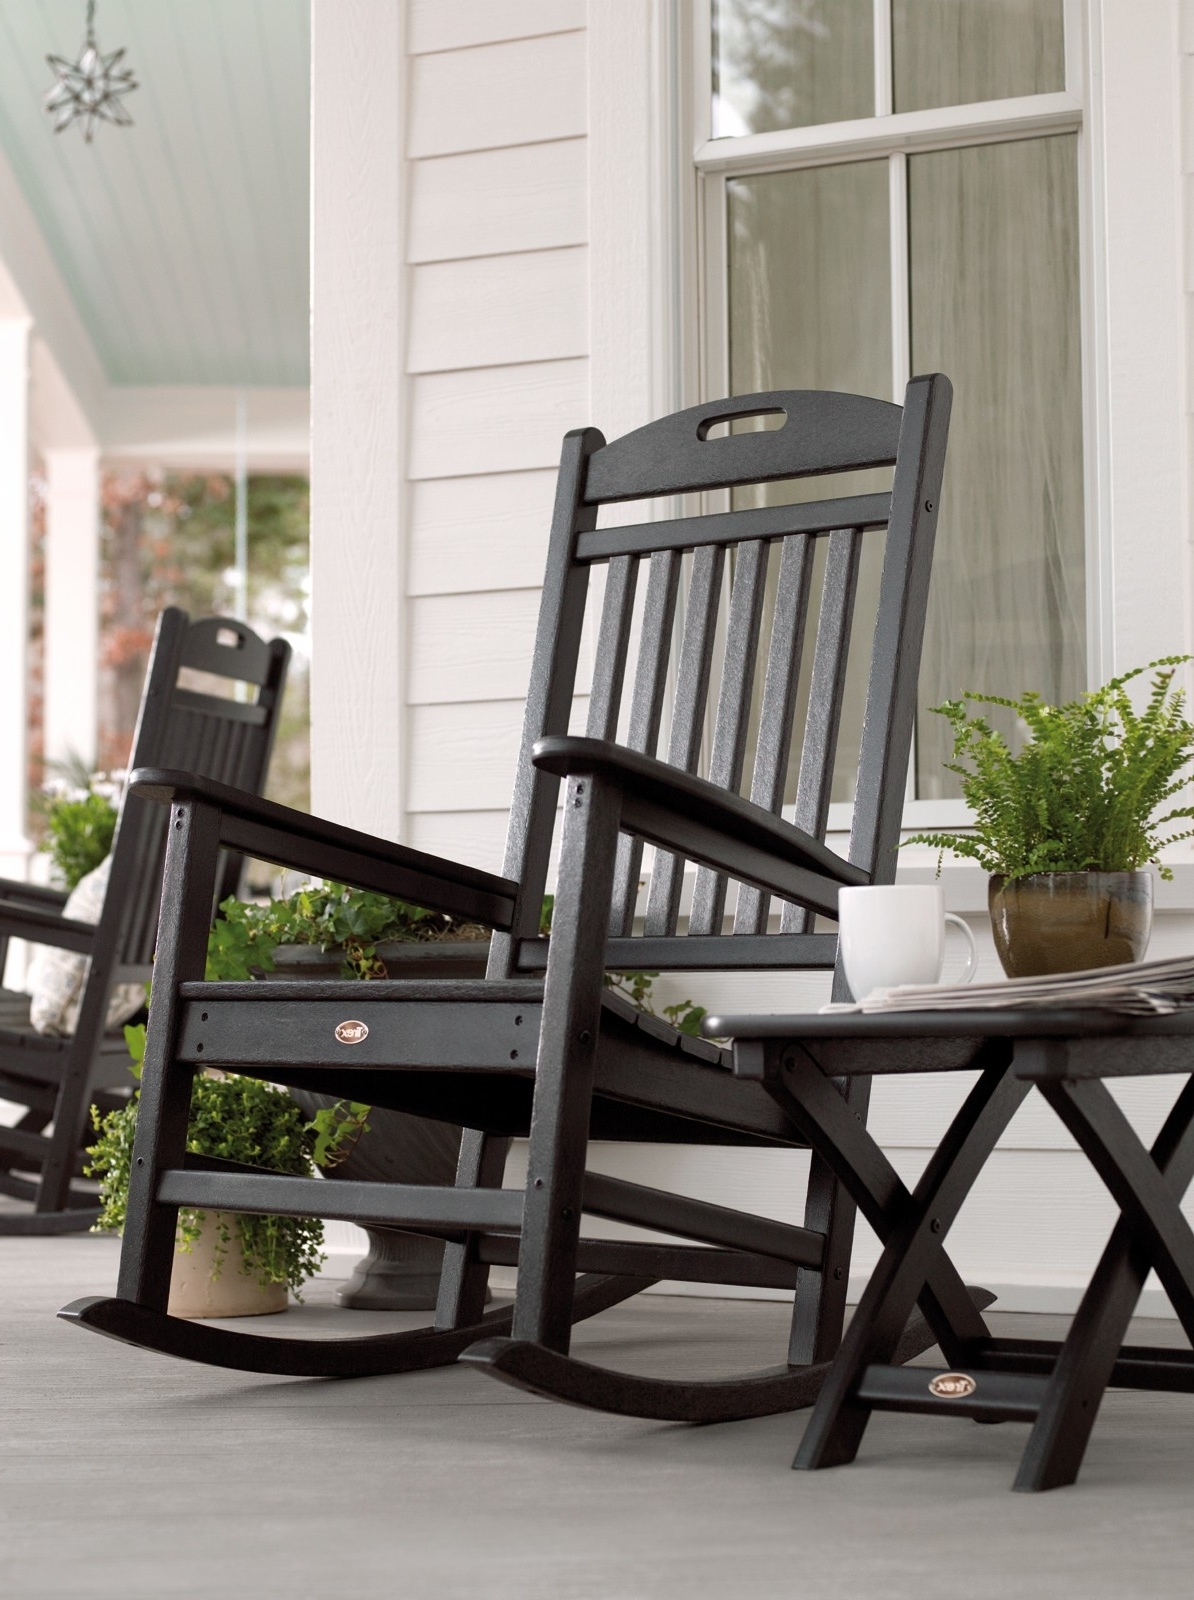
point(566, 1061)
point(70, 1123)
point(828, 1121)
point(463, 1278)
point(912, 1250)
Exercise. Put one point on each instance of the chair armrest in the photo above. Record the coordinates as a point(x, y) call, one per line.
point(293, 839)
point(46, 927)
point(39, 895)
point(698, 820)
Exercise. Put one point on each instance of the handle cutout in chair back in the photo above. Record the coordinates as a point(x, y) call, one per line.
point(227, 648)
point(718, 427)
point(819, 432)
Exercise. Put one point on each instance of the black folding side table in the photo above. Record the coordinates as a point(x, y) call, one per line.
point(1068, 1055)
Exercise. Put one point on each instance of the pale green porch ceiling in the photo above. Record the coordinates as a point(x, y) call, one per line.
point(184, 239)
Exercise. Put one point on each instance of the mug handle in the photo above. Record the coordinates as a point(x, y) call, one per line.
point(972, 960)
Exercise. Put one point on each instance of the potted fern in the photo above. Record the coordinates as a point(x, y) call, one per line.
point(1067, 826)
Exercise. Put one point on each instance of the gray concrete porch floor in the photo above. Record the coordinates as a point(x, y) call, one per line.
point(125, 1474)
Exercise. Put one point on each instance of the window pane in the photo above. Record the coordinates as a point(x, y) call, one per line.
point(957, 52)
point(994, 289)
point(810, 308)
point(790, 63)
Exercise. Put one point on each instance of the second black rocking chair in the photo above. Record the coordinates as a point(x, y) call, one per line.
point(57, 1078)
point(540, 1047)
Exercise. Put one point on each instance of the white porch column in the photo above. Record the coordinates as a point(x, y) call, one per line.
point(72, 603)
point(15, 848)
point(357, 289)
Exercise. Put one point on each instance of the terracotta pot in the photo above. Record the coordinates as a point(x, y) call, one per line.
point(1068, 921)
point(235, 1293)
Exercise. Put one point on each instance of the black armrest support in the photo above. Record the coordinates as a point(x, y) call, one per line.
point(45, 927)
point(293, 839)
point(698, 820)
point(41, 896)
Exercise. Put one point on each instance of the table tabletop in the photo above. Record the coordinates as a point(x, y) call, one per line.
point(1044, 1041)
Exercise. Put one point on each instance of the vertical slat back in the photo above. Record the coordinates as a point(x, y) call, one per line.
point(613, 645)
point(827, 688)
point(733, 712)
point(778, 710)
point(688, 718)
point(646, 713)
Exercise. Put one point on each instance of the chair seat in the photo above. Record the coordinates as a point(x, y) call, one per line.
point(35, 1058)
point(652, 1082)
point(479, 991)
point(15, 1027)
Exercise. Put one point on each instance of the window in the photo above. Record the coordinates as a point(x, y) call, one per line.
point(889, 187)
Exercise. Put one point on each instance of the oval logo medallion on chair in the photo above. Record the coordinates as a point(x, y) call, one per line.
point(351, 1032)
point(952, 1385)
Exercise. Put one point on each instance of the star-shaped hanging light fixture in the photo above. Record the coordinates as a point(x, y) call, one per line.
point(88, 90)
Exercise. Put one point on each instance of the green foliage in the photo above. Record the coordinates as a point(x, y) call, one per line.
point(684, 1016)
point(1087, 792)
point(336, 1130)
point(79, 830)
point(330, 915)
point(238, 1119)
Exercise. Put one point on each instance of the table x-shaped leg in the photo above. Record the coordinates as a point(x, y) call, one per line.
point(913, 1260)
point(840, 1138)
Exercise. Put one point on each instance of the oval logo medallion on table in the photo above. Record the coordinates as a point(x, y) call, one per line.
point(351, 1032)
point(952, 1385)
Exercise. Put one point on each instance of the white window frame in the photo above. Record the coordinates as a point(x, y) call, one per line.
point(889, 135)
point(657, 188)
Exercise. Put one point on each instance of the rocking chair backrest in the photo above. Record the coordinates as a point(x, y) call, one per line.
point(717, 608)
point(196, 730)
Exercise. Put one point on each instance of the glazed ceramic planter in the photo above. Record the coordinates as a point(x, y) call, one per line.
point(1068, 921)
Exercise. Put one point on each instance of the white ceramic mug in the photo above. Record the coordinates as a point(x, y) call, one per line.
point(895, 933)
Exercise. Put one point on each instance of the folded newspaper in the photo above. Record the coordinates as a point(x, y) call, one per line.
point(1139, 988)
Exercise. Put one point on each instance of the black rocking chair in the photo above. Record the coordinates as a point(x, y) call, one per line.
point(539, 1046)
point(57, 1078)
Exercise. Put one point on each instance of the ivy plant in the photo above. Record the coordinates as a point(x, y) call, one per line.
point(333, 916)
point(1089, 791)
point(238, 1119)
point(685, 1016)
